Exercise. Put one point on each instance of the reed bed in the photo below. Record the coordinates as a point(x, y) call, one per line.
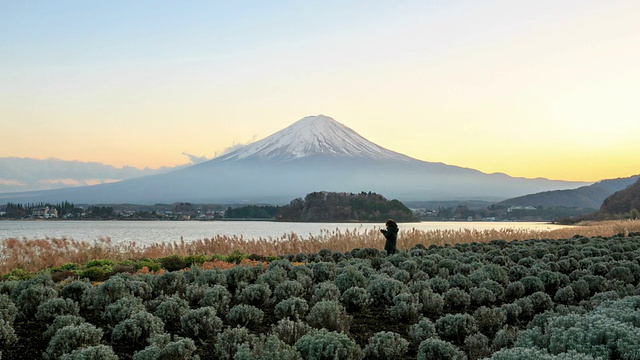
point(36, 255)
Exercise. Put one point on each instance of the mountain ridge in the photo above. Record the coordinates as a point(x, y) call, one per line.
point(315, 153)
point(589, 197)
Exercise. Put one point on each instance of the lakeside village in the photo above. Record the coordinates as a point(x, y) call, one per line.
point(213, 212)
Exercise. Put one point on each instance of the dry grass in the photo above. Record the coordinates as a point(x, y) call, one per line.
point(36, 255)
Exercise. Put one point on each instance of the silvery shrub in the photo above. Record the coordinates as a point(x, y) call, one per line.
point(201, 323)
point(329, 315)
point(325, 344)
point(245, 316)
point(72, 337)
point(386, 345)
point(294, 308)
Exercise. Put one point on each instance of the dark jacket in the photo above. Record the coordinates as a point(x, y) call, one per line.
point(391, 234)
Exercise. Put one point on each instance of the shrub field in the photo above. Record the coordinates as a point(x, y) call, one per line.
point(539, 298)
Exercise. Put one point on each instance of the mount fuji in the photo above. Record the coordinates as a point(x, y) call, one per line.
point(316, 153)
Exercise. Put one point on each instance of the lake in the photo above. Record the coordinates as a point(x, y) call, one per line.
point(148, 232)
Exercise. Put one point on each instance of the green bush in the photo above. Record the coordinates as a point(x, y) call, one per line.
point(386, 345)
point(97, 352)
point(162, 347)
point(8, 310)
point(122, 309)
point(31, 297)
point(421, 331)
point(255, 294)
point(512, 313)
point(59, 322)
point(51, 308)
point(477, 346)
point(481, 296)
point(460, 281)
point(202, 323)
point(432, 303)
point(217, 297)
point(540, 302)
point(456, 299)
point(266, 348)
point(170, 283)
point(236, 257)
point(194, 294)
point(490, 320)
point(328, 345)
point(95, 274)
point(564, 295)
point(505, 338)
point(438, 285)
point(229, 340)
point(273, 277)
point(609, 331)
point(150, 264)
point(290, 331)
point(170, 310)
point(515, 290)
point(288, 289)
point(383, 289)
point(456, 327)
point(532, 284)
point(406, 307)
point(237, 275)
point(245, 316)
point(140, 289)
point(7, 335)
point(324, 271)
point(519, 353)
point(72, 337)
point(325, 291)
point(100, 263)
point(76, 291)
point(173, 263)
point(436, 349)
point(350, 277)
point(137, 329)
point(355, 299)
point(294, 307)
point(330, 315)
point(110, 291)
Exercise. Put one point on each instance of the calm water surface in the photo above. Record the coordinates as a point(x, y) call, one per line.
point(148, 232)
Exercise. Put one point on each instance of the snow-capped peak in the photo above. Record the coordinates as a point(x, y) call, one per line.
point(311, 136)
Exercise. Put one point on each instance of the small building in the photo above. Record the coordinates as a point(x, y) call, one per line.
point(44, 212)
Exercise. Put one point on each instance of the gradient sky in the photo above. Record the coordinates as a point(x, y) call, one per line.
point(528, 88)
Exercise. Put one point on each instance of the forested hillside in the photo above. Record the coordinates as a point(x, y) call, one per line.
point(623, 201)
point(587, 197)
point(333, 206)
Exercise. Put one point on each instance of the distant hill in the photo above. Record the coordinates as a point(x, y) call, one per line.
point(336, 207)
point(587, 197)
point(623, 201)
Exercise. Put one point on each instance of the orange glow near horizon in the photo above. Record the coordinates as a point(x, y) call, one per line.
point(530, 89)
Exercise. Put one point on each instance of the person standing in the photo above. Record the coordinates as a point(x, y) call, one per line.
point(391, 234)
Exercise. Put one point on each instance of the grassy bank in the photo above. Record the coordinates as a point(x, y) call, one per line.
point(36, 255)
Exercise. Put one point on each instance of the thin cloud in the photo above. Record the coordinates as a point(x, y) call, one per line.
point(235, 146)
point(11, 182)
point(195, 159)
point(66, 181)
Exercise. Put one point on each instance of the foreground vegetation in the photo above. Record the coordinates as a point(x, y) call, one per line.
point(29, 256)
point(573, 298)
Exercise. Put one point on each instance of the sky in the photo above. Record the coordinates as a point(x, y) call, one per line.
point(530, 88)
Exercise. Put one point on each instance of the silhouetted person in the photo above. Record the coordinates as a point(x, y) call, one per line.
point(391, 234)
